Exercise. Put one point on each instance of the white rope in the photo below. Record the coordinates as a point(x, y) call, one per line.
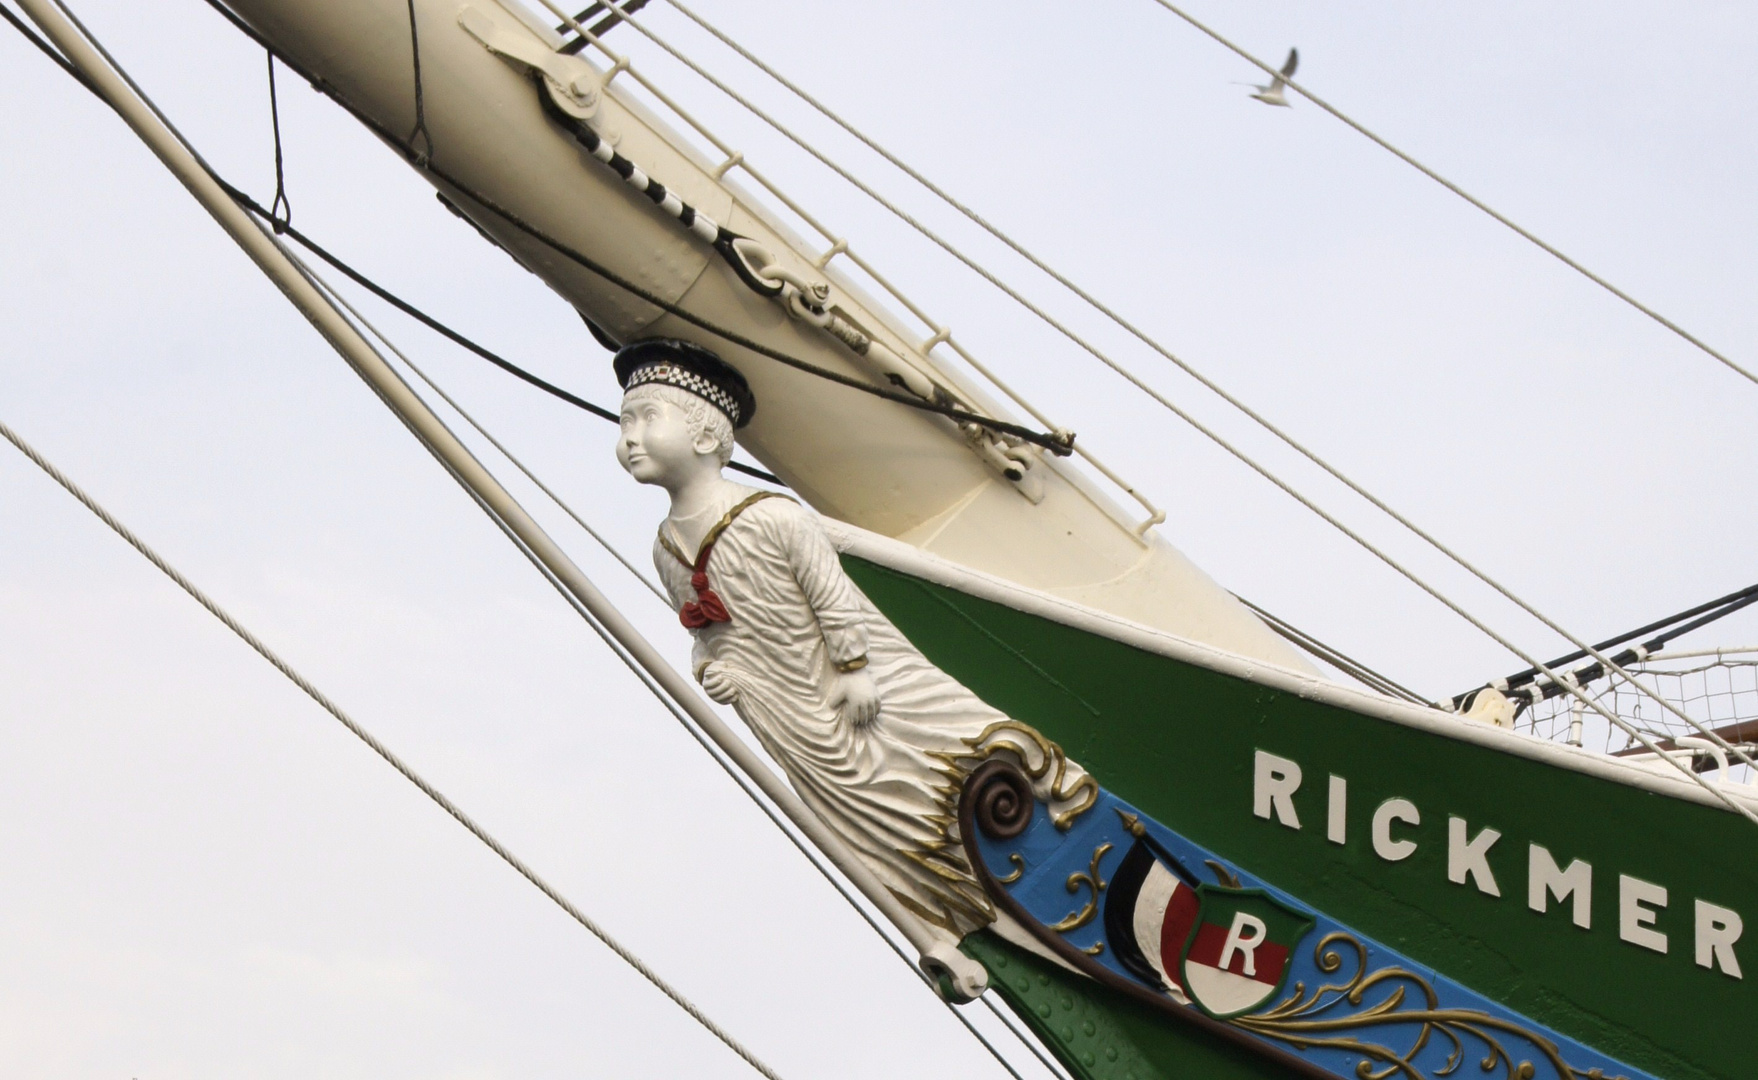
point(1135, 331)
point(1463, 194)
point(386, 753)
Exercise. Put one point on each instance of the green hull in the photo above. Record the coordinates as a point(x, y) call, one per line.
point(1101, 1034)
point(1179, 740)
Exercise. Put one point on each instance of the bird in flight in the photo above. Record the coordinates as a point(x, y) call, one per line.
point(1272, 94)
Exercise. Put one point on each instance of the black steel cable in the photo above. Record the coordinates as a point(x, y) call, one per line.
point(1719, 608)
point(281, 226)
point(1058, 444)
point(278, 221)
point(47, 49)
point(442, 329)
point(1589, 672)
point(420, 158)
point(1741, 594)
point(1338, 659)
point(603, 26)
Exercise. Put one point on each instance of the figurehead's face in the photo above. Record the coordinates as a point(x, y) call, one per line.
point(664, 442)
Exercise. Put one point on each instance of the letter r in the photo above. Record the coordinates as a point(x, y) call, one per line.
point(1718, 928)
point(1238, 941)
point(1274, 782)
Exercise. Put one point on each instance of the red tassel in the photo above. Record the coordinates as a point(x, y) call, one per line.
point(711, 607)
point(707, 608)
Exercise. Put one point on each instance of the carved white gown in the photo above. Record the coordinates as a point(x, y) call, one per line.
point(887, 788)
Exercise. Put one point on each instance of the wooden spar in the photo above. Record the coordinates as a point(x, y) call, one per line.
point(968, 977)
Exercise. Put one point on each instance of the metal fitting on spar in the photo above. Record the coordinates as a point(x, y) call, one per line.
point(574, 83)
point(809, 302)
point(805, 300)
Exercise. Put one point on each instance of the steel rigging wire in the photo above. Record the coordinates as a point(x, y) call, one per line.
point(603, 541)
point(1466, 195)
point(1055, 275)
point(1607, 662)
point(441, 328)
point(9, 435)
point(571, 254)
point(385, 752)
point(1059, 443)
point(1528, 689)
point(1355, 669)
point(568, 252)
point(743, 782)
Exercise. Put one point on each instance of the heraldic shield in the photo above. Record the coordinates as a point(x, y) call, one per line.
point(1238, 952)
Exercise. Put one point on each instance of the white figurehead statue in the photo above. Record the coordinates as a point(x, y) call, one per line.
point(875, 739)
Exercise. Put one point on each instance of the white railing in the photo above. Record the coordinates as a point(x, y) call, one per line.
point(938, 332)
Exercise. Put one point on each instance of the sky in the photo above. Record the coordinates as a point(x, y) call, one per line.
point(207, 877)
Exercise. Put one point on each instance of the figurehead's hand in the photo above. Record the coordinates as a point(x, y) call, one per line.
point(856, 697)
point(717, 684)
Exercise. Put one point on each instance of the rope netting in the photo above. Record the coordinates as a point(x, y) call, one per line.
point(1717, 687)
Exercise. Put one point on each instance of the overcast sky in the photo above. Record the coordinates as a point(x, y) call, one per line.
point(206, 877)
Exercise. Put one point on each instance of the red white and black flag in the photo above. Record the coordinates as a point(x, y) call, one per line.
point(1223, 949)
point(1150, 909)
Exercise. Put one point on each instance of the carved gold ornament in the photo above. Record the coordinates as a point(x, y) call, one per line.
point(1301, 1021)
point(1090, 880)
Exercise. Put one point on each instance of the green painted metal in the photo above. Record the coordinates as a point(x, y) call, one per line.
point(1100, 1034)
point(1179, 740)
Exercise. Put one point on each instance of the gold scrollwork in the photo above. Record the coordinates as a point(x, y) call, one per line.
point(1083, 792)
point(1089, 880)
point(1018, 870)
point(1222, 874)
point(1299, 1020)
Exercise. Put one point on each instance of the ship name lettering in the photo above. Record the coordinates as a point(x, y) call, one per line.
point(1394, 835)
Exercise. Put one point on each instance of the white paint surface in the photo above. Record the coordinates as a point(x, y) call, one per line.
point(1149, 920)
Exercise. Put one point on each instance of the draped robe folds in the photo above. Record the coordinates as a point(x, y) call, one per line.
point(888, 789)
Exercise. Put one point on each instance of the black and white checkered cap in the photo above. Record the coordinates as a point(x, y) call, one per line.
point(688, 367)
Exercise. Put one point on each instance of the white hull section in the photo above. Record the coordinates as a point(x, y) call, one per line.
point(878, 465)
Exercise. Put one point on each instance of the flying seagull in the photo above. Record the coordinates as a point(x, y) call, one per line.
point(1272, 94)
